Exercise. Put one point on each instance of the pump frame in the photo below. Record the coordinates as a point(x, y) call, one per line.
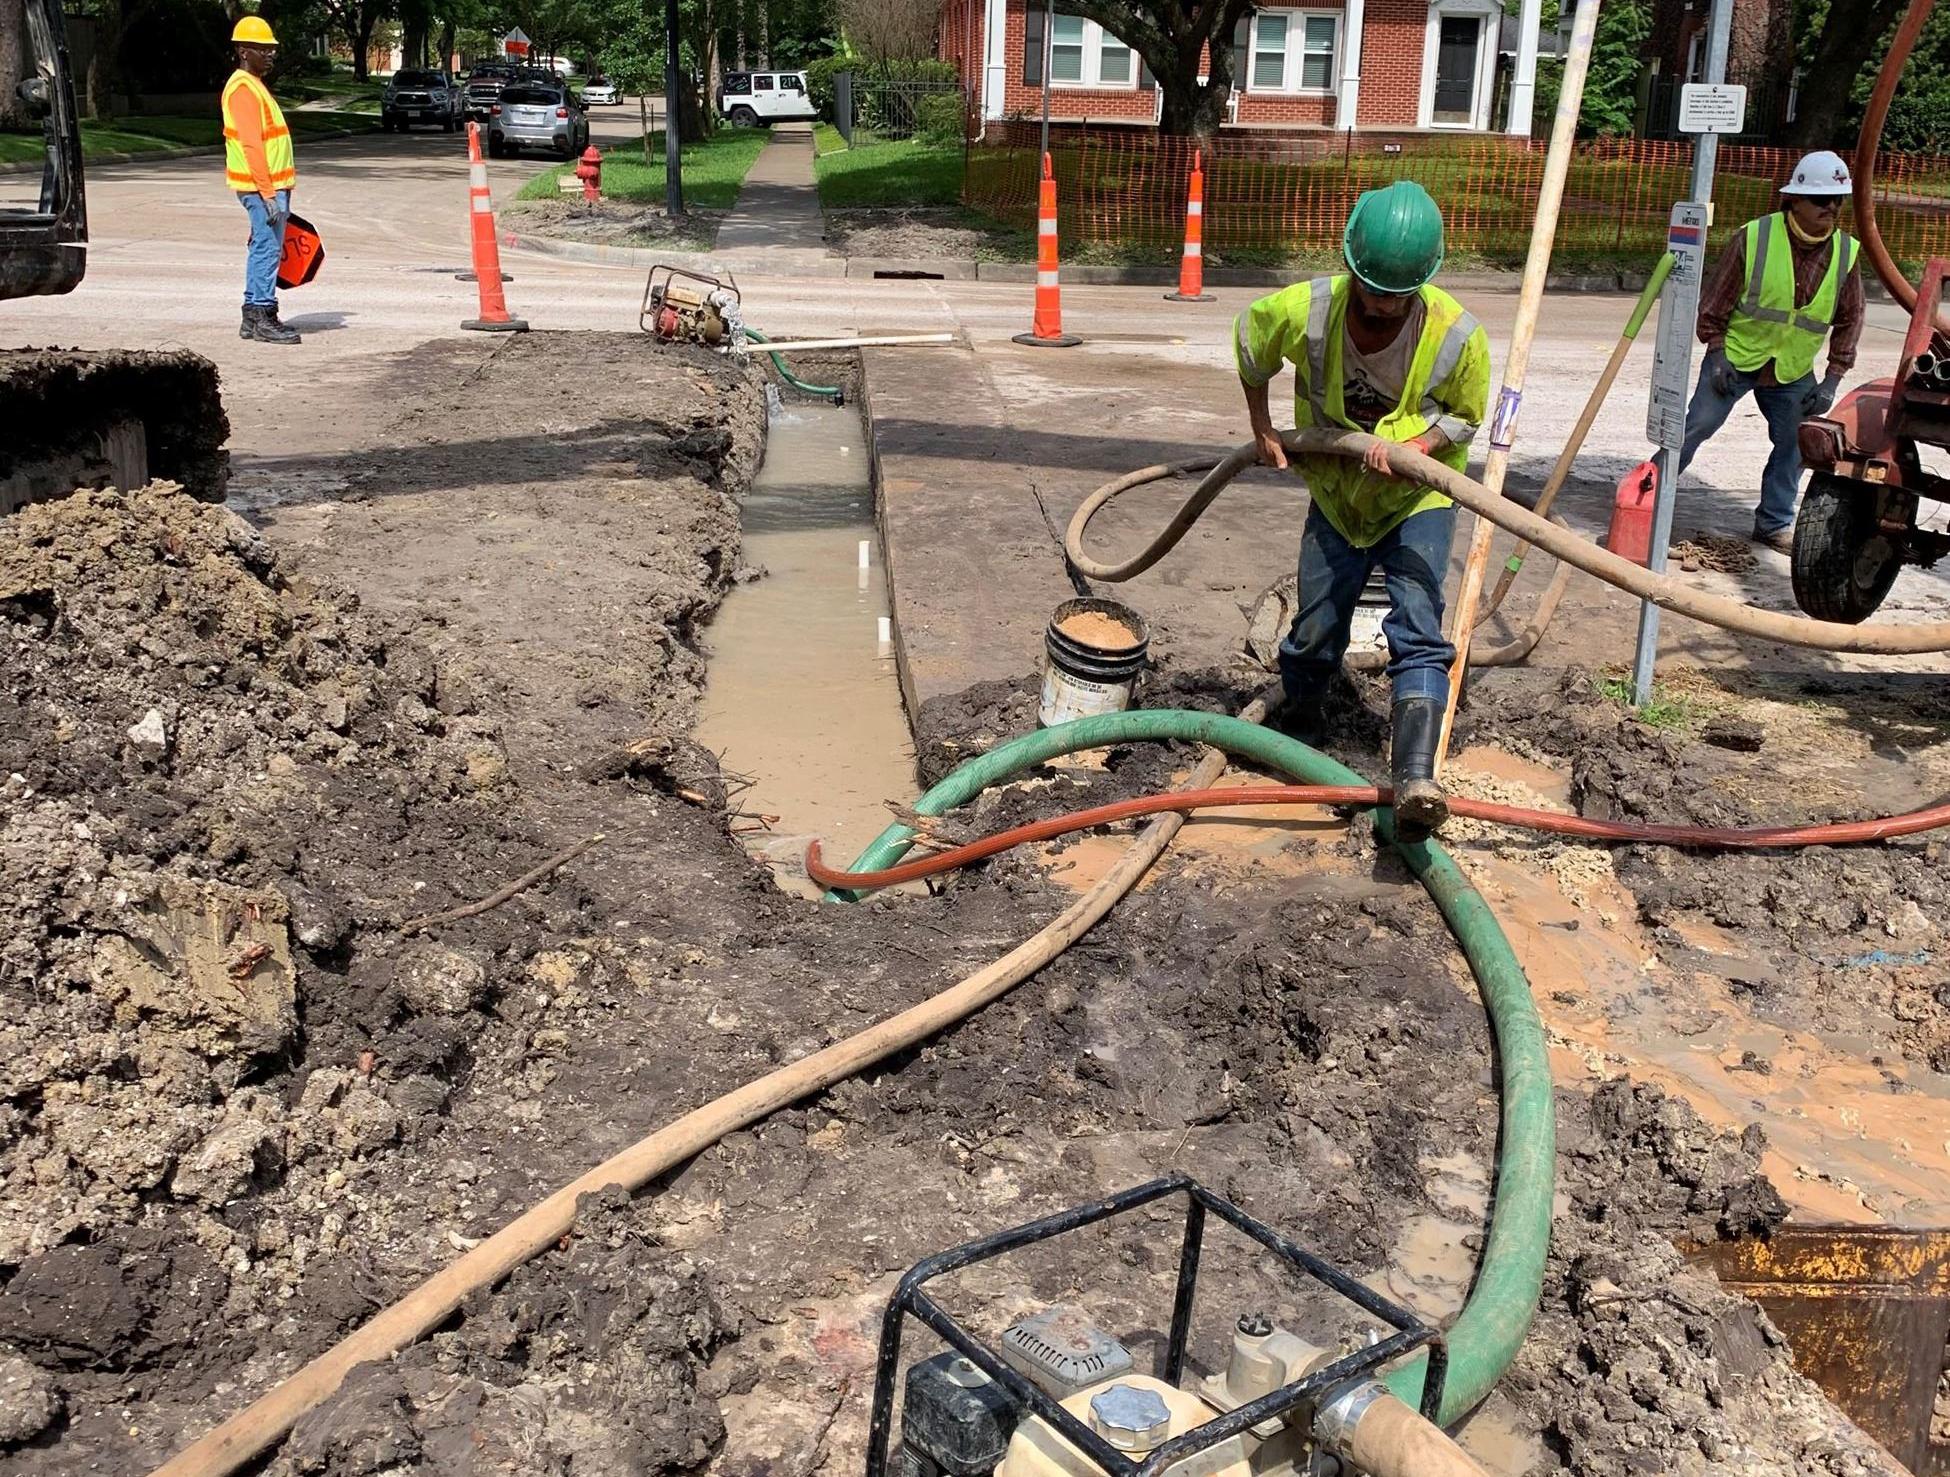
point(909, 1300)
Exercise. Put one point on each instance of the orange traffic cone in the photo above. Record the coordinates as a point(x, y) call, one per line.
point(1191, 266)
point(495, 317)
point(1047, 330)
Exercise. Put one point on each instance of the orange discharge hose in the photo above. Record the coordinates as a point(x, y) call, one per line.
point(1724, 838)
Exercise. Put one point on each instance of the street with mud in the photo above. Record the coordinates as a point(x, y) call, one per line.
point(405, 821)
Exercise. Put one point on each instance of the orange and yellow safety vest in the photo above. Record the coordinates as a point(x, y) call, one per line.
point(256, 142)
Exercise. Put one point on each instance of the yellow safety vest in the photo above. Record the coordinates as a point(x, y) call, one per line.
point(1767, 323)
point(277, 137)
point(1447, 387)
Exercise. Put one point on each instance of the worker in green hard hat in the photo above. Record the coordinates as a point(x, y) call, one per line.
point(1376, 348)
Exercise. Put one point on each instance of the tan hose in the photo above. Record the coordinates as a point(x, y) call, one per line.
point(1388, 1439)
point(1560, 542)
point(272, 1414)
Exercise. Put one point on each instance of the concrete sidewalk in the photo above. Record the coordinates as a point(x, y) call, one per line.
point(776, 223)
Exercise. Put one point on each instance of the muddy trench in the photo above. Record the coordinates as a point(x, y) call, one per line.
point(244, 1107)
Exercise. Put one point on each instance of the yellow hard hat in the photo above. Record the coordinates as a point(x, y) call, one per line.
point(255, 31)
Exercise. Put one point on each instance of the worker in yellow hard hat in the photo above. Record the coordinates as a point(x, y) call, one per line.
point(258, 164)
point(1376, 348)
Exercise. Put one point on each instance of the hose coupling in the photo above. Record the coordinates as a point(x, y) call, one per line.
point(1340, 1411)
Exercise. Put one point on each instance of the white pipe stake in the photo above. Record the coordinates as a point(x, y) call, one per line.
point(889, 341)
point(886, 635)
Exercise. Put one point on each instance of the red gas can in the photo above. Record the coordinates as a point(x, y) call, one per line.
point(1631, 514)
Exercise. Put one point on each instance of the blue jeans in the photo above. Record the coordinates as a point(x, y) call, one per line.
point(1414, 557)
point(1782, 405)
point(261, 261)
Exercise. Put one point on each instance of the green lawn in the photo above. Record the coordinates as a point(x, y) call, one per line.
point(714, 169)
point(147, 135)
point(903, 172)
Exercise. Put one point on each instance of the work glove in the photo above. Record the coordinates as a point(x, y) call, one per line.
point(1721, 374)
point(276, 219)
point(1821, 398)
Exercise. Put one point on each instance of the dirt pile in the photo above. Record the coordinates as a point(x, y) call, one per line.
point(210, 763)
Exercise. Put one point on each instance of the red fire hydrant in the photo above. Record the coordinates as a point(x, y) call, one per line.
point(590, 171)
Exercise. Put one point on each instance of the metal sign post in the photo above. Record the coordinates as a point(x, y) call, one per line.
point(1672, 363)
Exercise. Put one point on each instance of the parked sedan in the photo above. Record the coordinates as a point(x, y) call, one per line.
point(600, 92)
point(419, 97)
point(528, 115)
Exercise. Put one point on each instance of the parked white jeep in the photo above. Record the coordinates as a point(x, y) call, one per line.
point(748, 99)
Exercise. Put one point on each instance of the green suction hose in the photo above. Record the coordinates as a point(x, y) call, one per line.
point(825, 392)
point(1510, 1278)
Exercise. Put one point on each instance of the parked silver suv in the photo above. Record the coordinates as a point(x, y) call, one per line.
point(534, 115)
point(419, 97)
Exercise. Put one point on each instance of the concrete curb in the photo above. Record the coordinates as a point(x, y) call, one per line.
point(183, 151)
point(645, 257)
point(968, 269)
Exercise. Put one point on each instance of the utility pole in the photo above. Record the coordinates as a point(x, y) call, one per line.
point(1672, 365)
point(673, 130)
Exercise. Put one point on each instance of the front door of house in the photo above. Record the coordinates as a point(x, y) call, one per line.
point(1455, 69)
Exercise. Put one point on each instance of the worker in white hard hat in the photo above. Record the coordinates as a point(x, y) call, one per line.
point(1787, 282)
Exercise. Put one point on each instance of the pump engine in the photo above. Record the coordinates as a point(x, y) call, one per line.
point(687, 307)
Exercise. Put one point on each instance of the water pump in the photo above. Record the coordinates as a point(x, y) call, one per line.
point(685, 307)
point(1058, 1396)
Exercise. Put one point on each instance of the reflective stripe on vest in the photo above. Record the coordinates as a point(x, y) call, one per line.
point(1768, 324)
point(279, 160)
point(1362, 505)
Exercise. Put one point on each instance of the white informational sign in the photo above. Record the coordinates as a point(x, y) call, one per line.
point(1712, 107)
point(1672, 353)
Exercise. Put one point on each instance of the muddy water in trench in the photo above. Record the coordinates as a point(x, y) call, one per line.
point(802, 696)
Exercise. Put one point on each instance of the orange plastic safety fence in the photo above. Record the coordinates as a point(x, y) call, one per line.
point(1290, 193)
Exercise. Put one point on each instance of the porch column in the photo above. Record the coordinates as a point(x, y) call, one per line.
point(1523, 86)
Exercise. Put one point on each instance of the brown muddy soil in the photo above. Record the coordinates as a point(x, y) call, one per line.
point(243, 1109)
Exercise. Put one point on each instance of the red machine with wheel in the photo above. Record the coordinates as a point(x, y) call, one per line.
point(1858, 523)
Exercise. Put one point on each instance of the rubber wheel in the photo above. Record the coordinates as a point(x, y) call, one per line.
point(1843, 563)
point(449, 125)
point(496, 148)
point(743, 118)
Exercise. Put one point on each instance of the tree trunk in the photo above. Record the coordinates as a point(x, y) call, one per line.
point(362, 27)
point(762, 39)
point(104, 63)
point(1848, 39)
point(13, 63)
point(1189, 108)
point(447, 34)
point(643, 116)
point(743, 6)
point(413, 40)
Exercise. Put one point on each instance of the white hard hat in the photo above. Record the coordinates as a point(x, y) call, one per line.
point(1821, 173)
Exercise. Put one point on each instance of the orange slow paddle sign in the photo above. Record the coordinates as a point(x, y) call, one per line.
point(304, 253)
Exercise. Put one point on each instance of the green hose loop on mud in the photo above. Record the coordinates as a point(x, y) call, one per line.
point(828, 392)
point(1510, 1277)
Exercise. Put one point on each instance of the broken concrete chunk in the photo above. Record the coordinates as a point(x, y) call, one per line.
point(439, 981)
point(208, 961)
point(148, 733)
point(29, 1402)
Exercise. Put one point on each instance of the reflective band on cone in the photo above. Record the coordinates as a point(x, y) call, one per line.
point(1046, 331)
point(1191, 266)
point(495, 317)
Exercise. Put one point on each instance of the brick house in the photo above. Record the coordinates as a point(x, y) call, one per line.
point(1760, 55)
point(1390, 65)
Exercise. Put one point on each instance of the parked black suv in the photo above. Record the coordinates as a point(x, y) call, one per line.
point(419, 97)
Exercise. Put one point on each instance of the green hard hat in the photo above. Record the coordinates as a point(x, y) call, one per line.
point(1393, 242)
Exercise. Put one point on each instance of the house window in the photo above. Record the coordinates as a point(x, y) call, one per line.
point(1292, 51)
point(1081, 54)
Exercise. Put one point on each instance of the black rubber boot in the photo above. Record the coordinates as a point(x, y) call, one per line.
point(247, 328)
point(1304, 718)
point(262, 325)
point(1420, 806)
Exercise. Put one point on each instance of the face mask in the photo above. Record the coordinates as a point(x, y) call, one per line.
point(1808, 238)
